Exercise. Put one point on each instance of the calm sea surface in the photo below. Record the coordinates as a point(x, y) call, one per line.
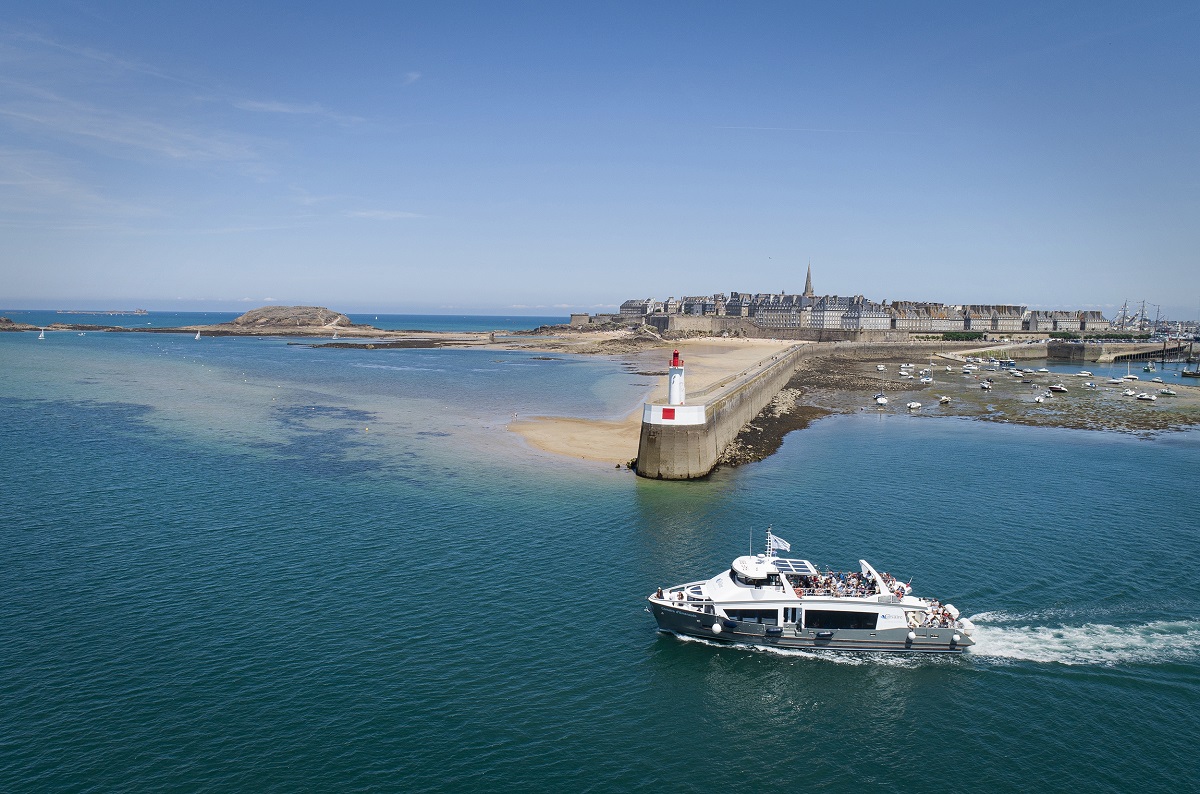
point(390, 322)
point(241, 565)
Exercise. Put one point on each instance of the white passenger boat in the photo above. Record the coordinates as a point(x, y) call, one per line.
point(788, 603)
point(1058, 387)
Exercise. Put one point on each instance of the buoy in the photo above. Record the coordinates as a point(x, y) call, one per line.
point(955, 638)
point(912, 635)
point(716, 628)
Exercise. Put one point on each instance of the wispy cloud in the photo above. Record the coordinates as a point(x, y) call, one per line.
point(287, 108)
point(45, 112)
point(35, 183)
point(813, 129)
point(411, 77)
point(383, 215)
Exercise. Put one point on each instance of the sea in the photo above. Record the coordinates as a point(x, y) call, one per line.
point(239, 564)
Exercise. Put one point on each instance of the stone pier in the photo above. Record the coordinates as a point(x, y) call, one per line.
point(683, 442)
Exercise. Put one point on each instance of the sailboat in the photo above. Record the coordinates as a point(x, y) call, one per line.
point(197, 334)
point(42, 335)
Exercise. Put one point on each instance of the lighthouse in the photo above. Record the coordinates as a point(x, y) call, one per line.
point(675, 388)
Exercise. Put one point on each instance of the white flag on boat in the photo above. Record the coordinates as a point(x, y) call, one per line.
point(779, 543)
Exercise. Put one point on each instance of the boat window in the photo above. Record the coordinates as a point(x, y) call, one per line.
point(769, 617)
point(829, 619)
point(737, 577)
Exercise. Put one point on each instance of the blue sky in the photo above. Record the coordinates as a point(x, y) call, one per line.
point(544, 157)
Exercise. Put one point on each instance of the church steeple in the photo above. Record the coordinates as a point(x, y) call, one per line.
point(808, 291)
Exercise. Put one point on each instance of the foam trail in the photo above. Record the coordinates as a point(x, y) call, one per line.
point(1157, 642)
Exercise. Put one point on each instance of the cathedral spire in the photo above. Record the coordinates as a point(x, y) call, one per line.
point(808, 291)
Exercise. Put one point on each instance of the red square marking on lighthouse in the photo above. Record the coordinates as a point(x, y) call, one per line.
point(668, 413)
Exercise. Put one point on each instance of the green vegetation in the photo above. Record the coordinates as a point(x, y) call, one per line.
point(962, 336)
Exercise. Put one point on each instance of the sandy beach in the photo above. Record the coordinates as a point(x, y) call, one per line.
point(706, 360)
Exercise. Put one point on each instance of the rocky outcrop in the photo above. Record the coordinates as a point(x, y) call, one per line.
point(285, 317)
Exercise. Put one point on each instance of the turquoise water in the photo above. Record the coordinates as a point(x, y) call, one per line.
point(390, 322)
point(236, 565)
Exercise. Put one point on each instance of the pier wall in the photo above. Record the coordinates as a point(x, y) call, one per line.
point(687, 452)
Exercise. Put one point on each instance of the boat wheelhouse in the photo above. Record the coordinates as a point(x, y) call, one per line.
point(783, 602)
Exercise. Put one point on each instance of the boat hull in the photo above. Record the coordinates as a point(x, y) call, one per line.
point(688, 622)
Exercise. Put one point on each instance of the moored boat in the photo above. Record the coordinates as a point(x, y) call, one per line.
point(1058, 387)
point(781, 602)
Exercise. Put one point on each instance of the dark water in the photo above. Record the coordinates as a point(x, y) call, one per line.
point(389, 322)
point(235, 565)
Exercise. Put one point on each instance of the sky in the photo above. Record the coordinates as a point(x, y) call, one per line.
point(541, 158)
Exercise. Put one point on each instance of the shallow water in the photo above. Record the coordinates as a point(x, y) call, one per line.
point(254, 566)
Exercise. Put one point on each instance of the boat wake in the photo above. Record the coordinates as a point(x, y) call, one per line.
point(1157, 642)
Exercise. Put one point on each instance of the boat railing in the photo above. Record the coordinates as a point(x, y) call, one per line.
point(830, 592)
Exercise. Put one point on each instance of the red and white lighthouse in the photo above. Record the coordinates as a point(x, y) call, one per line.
point(675, 388)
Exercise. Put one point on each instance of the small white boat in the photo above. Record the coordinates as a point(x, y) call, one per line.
point(1147, 397)
point(197, 334)
point(1041, 398)
point(1168, 392)
point(986, 386)
point(880, 367)
point(1129, 393)
point(913, 406)
point(1089, 385)
point(1131, 377)
point(1156, 380)
point(1116, 381)
point(880, 399)
point(42, 335)
point(1058, 387)
point(926, 379)
point(943, 400)
point(1042, 369)
point(949, 368)
point(1083, 373)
